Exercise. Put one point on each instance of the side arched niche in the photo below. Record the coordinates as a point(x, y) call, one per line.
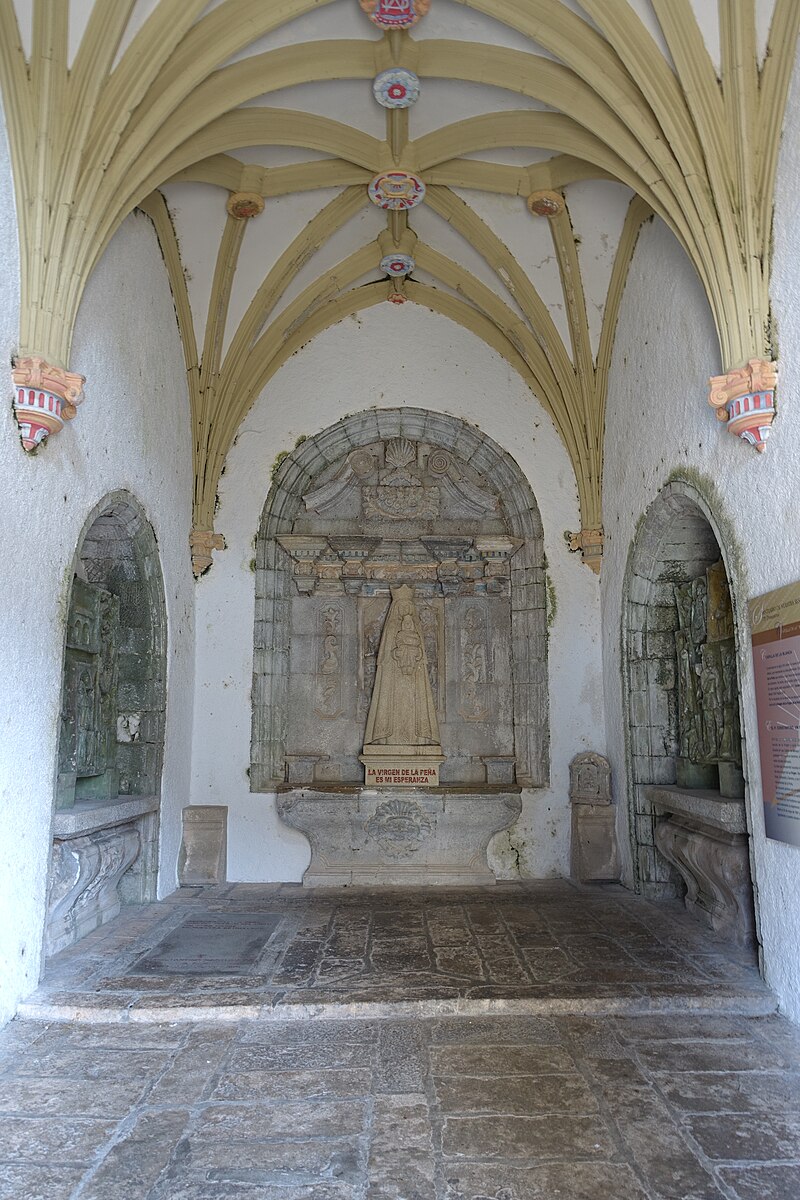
point(687, 805)
point(465, 491)
point(111, 739)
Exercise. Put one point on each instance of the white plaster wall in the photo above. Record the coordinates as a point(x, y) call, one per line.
point(659, 423)
point(131, 432)
point(386, 357)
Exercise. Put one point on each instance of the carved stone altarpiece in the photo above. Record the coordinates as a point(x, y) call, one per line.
point(394, 733)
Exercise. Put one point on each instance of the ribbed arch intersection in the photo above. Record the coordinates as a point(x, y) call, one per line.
point(200, 97)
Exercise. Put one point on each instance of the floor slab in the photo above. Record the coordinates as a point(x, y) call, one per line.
point(491, 1108)
point(538, 948)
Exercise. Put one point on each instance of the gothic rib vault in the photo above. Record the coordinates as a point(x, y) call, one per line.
point(152, 96)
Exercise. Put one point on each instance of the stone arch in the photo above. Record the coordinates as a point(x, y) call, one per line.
point(679, 546)
point(111, 739)
point(311, 465)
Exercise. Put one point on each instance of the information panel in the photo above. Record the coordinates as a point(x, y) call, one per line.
point(775, 633)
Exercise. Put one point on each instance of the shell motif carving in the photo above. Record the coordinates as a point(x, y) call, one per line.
point(400, 452)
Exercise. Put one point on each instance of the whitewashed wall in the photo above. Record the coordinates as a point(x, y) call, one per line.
point(132, 432)
point(659, 423)
point(385, 357)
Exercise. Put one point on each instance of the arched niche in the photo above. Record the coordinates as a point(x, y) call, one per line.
point(464, 490)
point(687, 803)
point(111, 737)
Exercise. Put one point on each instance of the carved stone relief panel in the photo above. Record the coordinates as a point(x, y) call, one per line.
point(330, 626)
point(474, 663)
point(88, 712)
point(707, 679)
point(431, 618)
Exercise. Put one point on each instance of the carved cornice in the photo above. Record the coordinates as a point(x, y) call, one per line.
point(448, 565)
point(46, 397)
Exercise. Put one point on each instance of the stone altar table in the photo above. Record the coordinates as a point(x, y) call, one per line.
point(397, 836)
point(704, 835)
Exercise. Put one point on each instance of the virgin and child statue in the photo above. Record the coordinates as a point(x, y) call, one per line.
point(402, 723)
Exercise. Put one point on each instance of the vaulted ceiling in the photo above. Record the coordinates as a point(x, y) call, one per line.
point(198, 112)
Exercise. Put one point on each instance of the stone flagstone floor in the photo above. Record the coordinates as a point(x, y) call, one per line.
point(456, 1108)
point(148, 1075)
point(517, 948)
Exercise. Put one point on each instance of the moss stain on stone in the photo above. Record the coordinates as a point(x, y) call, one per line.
point(552, 599)
point(280, 458)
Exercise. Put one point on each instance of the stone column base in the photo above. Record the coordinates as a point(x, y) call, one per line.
point(390, 837)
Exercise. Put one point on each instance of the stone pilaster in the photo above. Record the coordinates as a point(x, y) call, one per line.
point(46, 397)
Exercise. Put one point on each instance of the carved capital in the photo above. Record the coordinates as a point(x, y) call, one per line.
point(46, 397)
point(202, 543)
point(590, 544)
point(745, 399)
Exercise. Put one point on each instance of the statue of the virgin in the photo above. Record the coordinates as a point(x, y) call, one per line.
point(402, 712)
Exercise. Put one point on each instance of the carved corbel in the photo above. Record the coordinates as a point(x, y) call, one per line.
point(590, 544)
point(46, 397)
point(745, 399)
point(202, 543)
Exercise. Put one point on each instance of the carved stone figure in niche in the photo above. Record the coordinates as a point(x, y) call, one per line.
point(708, 701)
point(402, 712)
point(711, 709)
